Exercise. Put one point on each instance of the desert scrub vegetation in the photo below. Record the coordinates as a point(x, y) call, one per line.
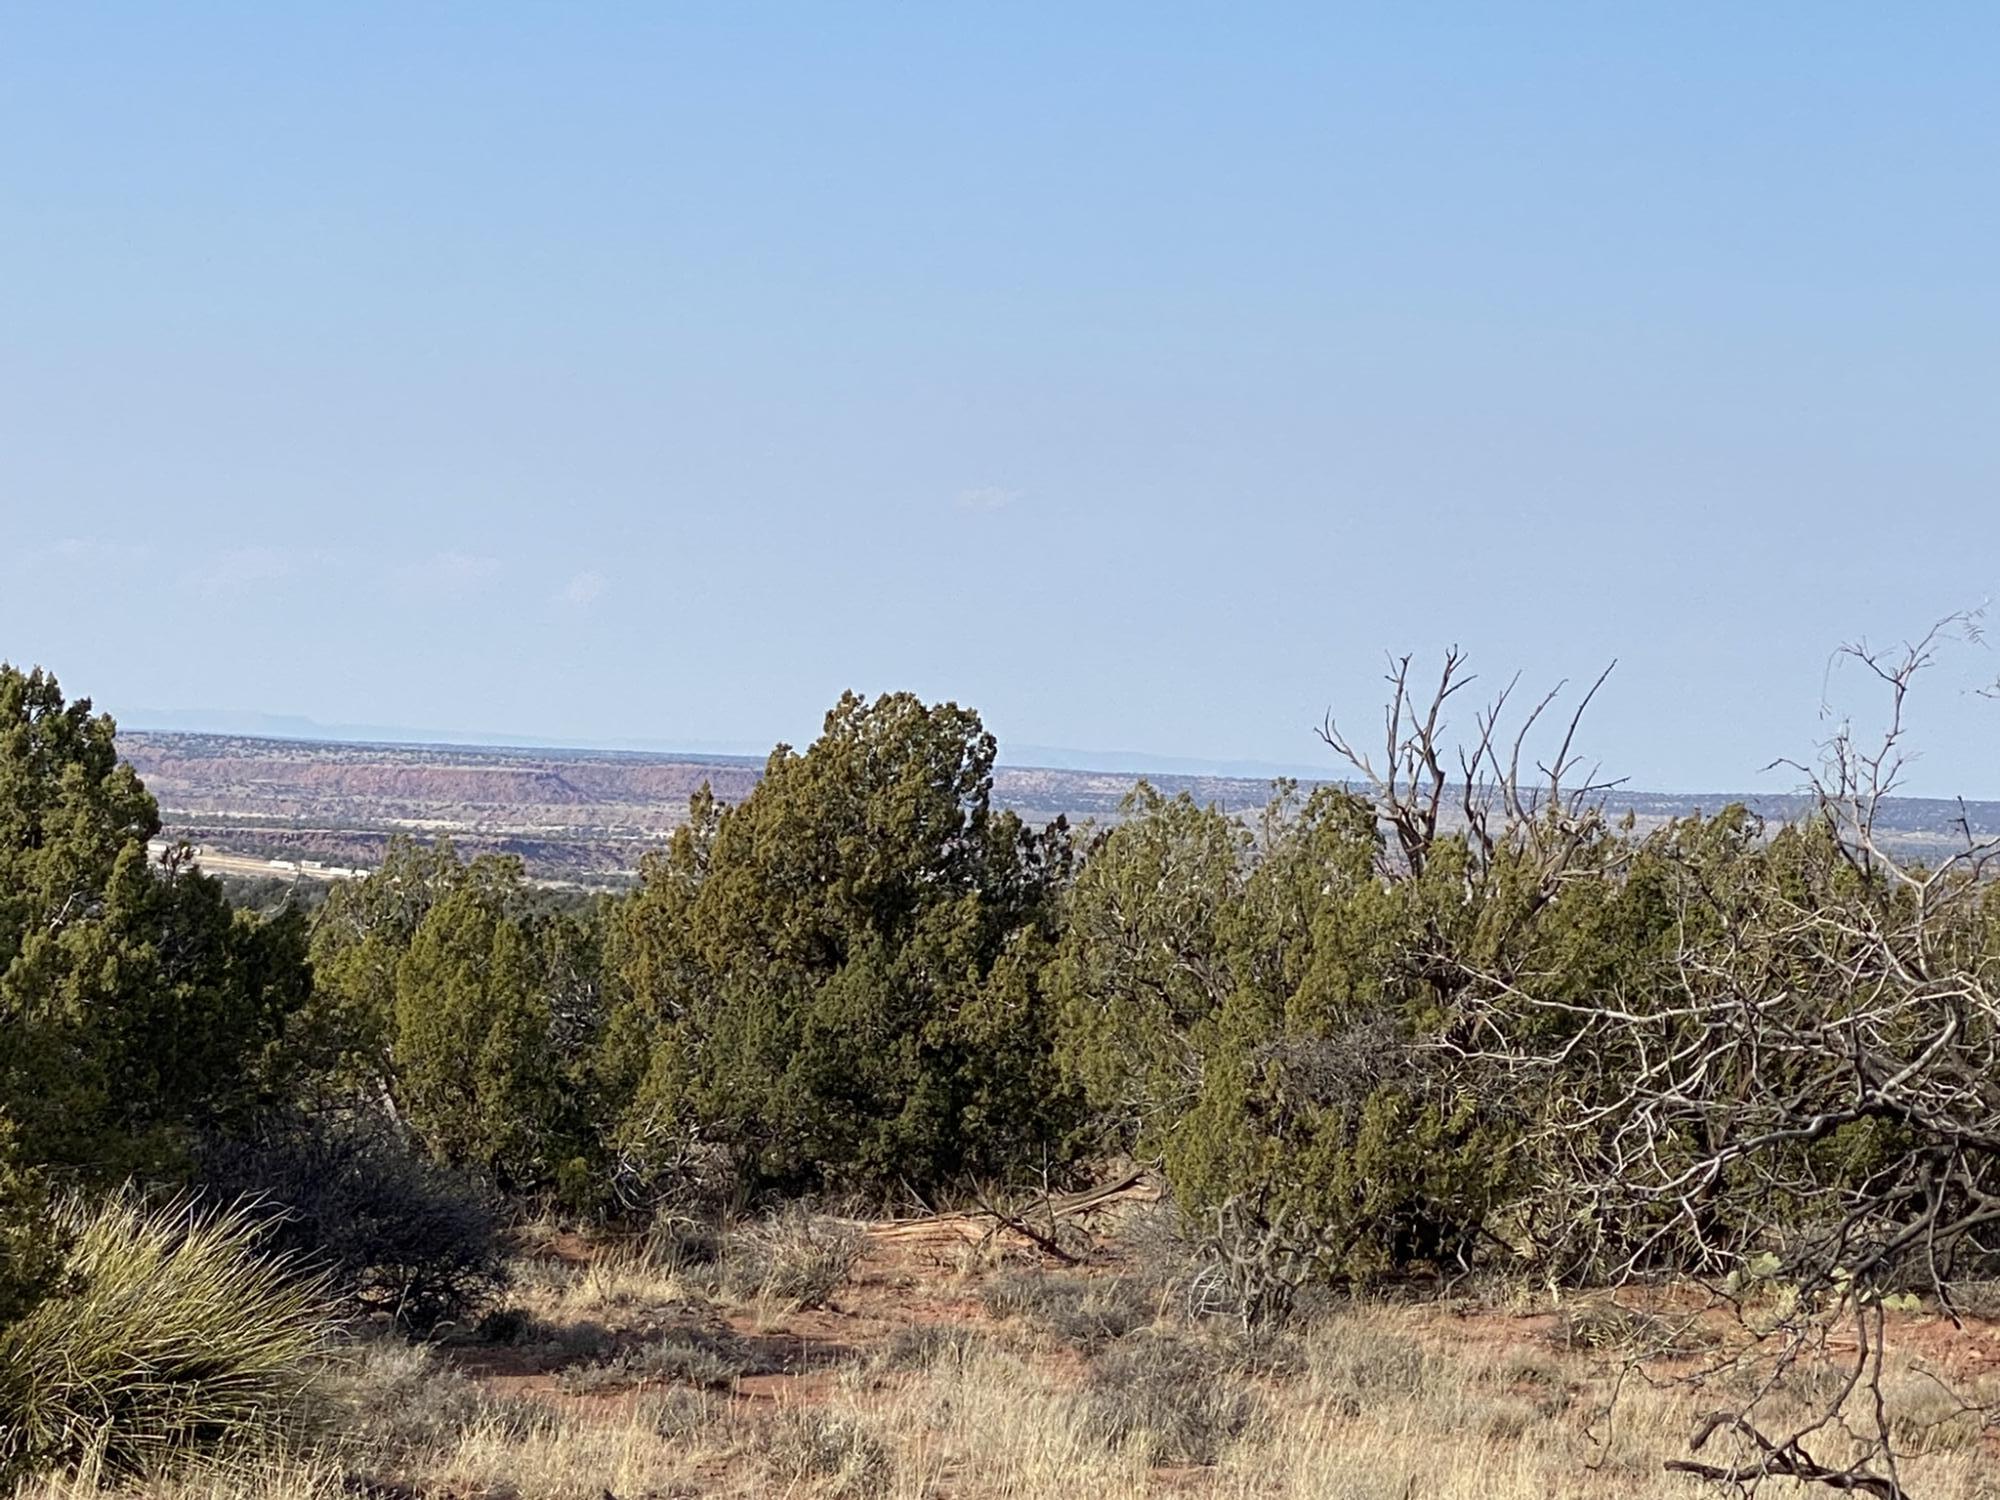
point(1167, 1397)
point(392, 1400)
point(168, 1336)
point(1391, 1400)
point(790, 1260)
point(385, 1406)
point(795, 1259)
point(1425, 1029)
point(1368, 1398)
point(834, 1455)
point(1071, 1307)
point(694, 1359)
point(397, 1236)
point(270, 1477)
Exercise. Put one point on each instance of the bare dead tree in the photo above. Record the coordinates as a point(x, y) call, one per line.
point(1807, 1099)
point(1499, 792)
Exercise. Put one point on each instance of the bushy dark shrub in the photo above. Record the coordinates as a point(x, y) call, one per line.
point(135, 1006)
point(1261, 1014)
point(398, 1236)
point(30, 1249)
point(839, 979)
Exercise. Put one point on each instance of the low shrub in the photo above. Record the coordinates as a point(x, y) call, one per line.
point(1527, 1370)
point(1359, 1366)
point(517, 1329)
point(1167, 1396)
point(1083, 1310)
point(684, 1241)
point(1246, 1268)
point(391, 1399)
point(280, 1476)
point(638, 1276)
point(1976, 1299)
point(1258, 1350)
point(798, 1258)
point(695, 1359)
point(1927, 1415)
point(924, 1345)
point(168, 1336)
point(392, 1402)
point(594, 1378)
point(812, 1449)
point(677, 1414)
point(1608, 1326)
point(690, 1359)
point(399, 1236)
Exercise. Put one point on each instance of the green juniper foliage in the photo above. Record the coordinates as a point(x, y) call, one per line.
point(29, 1249)
point(1363, 1046)
point(841, 978)
point(447, 993)
point(136, 1008)
point(1263, 1012)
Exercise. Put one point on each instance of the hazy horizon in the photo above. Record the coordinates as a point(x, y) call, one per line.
point(252, 724)
point(1773, 782)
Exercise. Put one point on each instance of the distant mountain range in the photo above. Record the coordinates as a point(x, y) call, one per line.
point(591, 813)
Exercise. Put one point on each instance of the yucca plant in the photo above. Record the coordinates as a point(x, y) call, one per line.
point(168, 1336)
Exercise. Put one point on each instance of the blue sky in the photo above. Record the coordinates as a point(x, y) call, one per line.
point(1138, 374)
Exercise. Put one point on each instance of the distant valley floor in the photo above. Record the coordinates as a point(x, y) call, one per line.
point(324, 809)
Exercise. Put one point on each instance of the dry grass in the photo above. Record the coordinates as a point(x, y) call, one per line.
point(1048, 1386)
point(795, 1261)
point(1383, 1407)
point(830, 1454)
point(621, 1280)
point(694, 1359)
point(1386, 1402)
point(1169, 1397)
point(792, 1261)
point(408, 1420)
point(1071, 1307)
point(580, 1459)
point(279, 1477)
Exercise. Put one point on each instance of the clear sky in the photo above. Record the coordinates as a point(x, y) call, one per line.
point(1136, 373)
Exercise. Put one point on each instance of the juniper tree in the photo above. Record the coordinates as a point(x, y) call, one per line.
point(135, 1007)
point(839, 979)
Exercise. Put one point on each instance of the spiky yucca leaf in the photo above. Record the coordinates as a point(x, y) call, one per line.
point(169, 1336)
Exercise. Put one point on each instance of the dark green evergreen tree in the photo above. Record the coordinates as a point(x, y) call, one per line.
point(840, 979)
point(136, 1008)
